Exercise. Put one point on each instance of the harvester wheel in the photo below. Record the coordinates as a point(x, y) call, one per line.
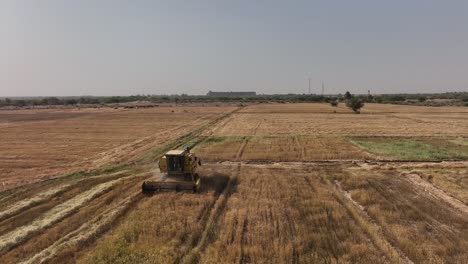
point(144, 188)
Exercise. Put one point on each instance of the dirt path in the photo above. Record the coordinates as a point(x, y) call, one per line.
point(436, 193)
point(55, 214)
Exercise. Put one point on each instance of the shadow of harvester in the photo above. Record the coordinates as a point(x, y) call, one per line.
point(216, 182)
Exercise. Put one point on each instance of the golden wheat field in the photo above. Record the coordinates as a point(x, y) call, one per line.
point(281, 183)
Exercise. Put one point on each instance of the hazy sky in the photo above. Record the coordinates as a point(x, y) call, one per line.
point(99, 47)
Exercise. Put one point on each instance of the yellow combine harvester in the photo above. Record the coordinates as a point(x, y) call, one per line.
point(178, 172)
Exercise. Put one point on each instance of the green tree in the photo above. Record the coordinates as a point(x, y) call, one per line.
point(71, 101)
point(348, 95)
point(51, 101)
point(355, 104)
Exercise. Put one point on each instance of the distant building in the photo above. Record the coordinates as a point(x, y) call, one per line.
point(231, 94)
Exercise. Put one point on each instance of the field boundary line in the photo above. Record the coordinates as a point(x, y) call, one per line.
point(344, 161)
point(383, 113)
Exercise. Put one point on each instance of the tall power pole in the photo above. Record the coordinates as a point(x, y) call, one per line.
point(323, 87)
point(309, 85)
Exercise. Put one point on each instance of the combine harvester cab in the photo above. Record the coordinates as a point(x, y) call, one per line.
point(178, 172)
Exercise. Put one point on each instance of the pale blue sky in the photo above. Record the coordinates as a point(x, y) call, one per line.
point(112, 47)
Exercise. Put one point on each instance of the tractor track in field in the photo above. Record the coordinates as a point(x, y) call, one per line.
point(240, 152)
point(256, 128)
point(415, 120)
point(219, 126)
point(375, 232)
point(427, 188)
point(243, 258)
point(398, 199)
point(220, 123)
point(300, 147)
point(215, 213)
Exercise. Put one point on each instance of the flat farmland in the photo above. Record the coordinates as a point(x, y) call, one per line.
point(264, 213)
point(37, 144)
point(341, 108)
point(307, 132)
point(281, 183)
point(386, 120)
point(279, 148)
point(300, 213)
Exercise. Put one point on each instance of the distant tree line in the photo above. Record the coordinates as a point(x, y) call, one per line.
point(20, 102)
point(279, 98)
point(47, 101)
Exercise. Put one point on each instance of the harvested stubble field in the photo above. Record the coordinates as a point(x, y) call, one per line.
point(38, 144)
point(279, 148)
point(282, 183)
point(377, 120)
